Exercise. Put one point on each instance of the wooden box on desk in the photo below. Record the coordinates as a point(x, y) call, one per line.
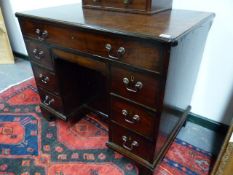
point(6, 56)
point(132, 6)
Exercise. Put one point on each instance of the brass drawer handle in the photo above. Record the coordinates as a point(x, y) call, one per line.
point(41, 35)
point(134, 119)
point(130, 86)
point(44, 79)
point(47, 101)
point(132, 145)
point(120, 52)
point(95, 1)
point(38, 54)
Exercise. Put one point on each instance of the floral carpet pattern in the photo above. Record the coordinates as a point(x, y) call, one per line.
point(30, 145)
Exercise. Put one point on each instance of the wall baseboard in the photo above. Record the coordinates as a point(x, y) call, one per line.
point(20, 55)
point(217, 127)
point(207, 123)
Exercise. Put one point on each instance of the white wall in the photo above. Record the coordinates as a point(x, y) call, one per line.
point(213, 93)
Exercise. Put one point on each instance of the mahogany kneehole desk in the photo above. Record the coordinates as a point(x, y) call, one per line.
point(131, 69)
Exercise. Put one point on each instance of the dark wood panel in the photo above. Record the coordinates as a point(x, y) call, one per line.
point(117, 4)
point(80, 85)
point(46, 114)
point(172, 23)
point(141, 88)
point(147, 7)
point(50, 100)
point(132, 142)
point(134, 117)
point(39, 53)
point(130, 51)
point(45, 78)
point(81, 61)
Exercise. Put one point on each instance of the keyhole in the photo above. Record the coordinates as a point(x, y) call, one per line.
point(132, 78)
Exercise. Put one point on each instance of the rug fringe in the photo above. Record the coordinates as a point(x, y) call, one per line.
point(5, 89)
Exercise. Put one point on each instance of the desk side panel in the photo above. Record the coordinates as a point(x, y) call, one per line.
point(185, 60)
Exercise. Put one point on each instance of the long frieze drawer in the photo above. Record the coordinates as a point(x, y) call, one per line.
point(46, 79)
point(50, 100)
point(134, 117)
point(117, 4)
point(137, 52)
point(142, 88)
point(131, 142)
point(39, 53)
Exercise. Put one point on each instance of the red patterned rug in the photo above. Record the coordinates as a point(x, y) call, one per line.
point(30, 145)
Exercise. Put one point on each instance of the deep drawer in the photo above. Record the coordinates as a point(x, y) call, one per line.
point(46, 79)
point(39, 53)
point(51, 100)
point(137, 52)
point(117, 4)
point(131, 142)
point(141, 88)
point(134, 117)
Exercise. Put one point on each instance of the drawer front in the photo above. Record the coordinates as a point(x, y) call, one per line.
point(35, 29)
point(131, 142)
point(121, 4)
point(134, 117)
point(140, 53)
point(51, 100)
point(46, 79)
point(141, 88)
point(39, 53)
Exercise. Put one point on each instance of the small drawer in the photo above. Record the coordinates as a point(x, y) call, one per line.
point(134, 117)
point(137, 52)
point(136, 86)
point(51, 100)
point(131, 142)
point(117, 4)
point(39, 53)
point(34, 29)
point(46, 79)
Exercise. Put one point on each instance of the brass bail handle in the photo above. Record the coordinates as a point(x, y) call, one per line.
point(132, 87)
point(47, 101)
point(41, 34)
point(38, 54)
point(130, 119)
point(133, 144)
point(120, 52)
point(44, 79)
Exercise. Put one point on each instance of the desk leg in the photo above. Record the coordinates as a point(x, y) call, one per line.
point(47, 115)
point(144, 171)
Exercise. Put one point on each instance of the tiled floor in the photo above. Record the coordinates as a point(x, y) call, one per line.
point(201, 137)
point(191, 133)
point(11, 74)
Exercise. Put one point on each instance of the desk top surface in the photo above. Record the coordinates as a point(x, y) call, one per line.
point(167, 26)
